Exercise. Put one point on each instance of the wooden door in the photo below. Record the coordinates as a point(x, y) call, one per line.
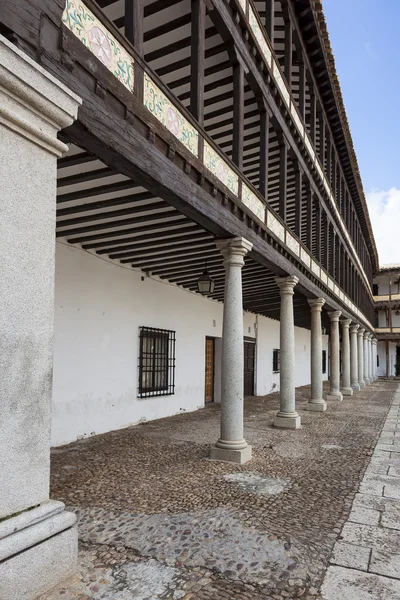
point(249, 362)
point(209, 377)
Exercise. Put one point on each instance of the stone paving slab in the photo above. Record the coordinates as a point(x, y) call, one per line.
point(365, 563)
point(159, 521)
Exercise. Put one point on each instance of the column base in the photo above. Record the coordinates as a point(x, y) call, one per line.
point(287, 421)
point(367, 380)
point(355, 387)
point(234, 456)
point(361, 384)
point(334, 397)
point(347, 391)
point(316, 405)
point(38, 550)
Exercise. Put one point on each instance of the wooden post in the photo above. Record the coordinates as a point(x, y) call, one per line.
point(288, 50)
point(298, 194)
point(134, 17)
point(328, 157)
point(309, 226)
point(387, 359)
point(238, 114)
point(334, 270)
point(302, 86)
point(322, 138)
point(264, 152)
point(317, 230)
point(313, 115)
point(325, 230)
point(197, 60)
point(283, 158)
point(270, 19)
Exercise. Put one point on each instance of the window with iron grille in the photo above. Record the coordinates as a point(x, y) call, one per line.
point(156, 362)
point(276, 361)
point(324, 361)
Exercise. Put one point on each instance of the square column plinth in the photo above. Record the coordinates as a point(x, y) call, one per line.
point(38, 539)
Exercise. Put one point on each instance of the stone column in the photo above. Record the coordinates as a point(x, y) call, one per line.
point(346, 390)
point(287, 416)
point(316, 403)
point(371, 361)
point(366, 359)
point(334, 392)
point(369, 347)
point(360, 339)
point(231, 445)
point(38, 538)
point(354, 358)
point(374, 358)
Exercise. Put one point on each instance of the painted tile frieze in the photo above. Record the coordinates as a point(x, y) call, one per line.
point(275, 226)
point(220, 169)
point(253, 203)
point(305, 257)
point(293, 244)
point(258, 34)
point(91, 32)
point(163, 109)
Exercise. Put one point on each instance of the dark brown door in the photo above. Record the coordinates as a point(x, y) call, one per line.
point(209, 383)
point(249, 356)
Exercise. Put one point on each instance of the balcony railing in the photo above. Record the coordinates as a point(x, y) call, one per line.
point(387, 298)
point(112, 49)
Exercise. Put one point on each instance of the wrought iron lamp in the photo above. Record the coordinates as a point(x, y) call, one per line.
point(205, 284)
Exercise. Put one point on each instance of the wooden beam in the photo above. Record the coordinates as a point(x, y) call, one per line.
point(313, 117)
point(325, 230)
point(134, 18)
point(318, 226)
point(197, 60)
point(302, 88)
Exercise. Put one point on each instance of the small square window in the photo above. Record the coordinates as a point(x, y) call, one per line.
point(156, 362)
point(276, 361)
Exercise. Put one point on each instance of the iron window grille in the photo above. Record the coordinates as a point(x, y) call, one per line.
point(323, 361)
point(276, 361)
point(156, 362)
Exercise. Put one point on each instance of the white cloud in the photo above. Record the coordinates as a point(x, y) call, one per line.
point(384, 212)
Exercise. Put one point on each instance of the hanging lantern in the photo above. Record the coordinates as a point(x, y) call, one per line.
point(205, 284)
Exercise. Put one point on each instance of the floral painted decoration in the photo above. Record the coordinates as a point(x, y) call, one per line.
point(214, 163)
point(91, 32)
point(161, 107)
point(253, 203)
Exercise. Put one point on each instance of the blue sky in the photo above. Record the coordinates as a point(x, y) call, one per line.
point(364, 37)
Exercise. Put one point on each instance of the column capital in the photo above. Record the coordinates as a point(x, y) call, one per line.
point(345, 323)
point(41, 105)
point(354, 328)
point(366, 334)
point(360, 332)
point(374, 341)
point(234, 250)
point(316, 304)
point(334, 316)
point(286, 284)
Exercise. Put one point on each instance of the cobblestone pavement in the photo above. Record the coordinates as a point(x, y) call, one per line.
point(158, 520)
point(366, 560)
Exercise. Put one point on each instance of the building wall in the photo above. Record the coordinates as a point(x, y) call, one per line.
point(382, 318)
point(99, 307)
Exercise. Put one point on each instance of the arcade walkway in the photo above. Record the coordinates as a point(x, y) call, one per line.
point(160, 520)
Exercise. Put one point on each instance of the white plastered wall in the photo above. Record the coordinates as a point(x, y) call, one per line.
point(99, 307)
point(381, 370)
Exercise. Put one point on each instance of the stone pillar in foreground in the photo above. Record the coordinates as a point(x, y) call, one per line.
point(287, 416)
point(38, 538)
point(232, 446)
point(316, 403)
point(366, 359)
point(355, 386)
point(334, 392)
point(346, 389)
point(360, 339)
